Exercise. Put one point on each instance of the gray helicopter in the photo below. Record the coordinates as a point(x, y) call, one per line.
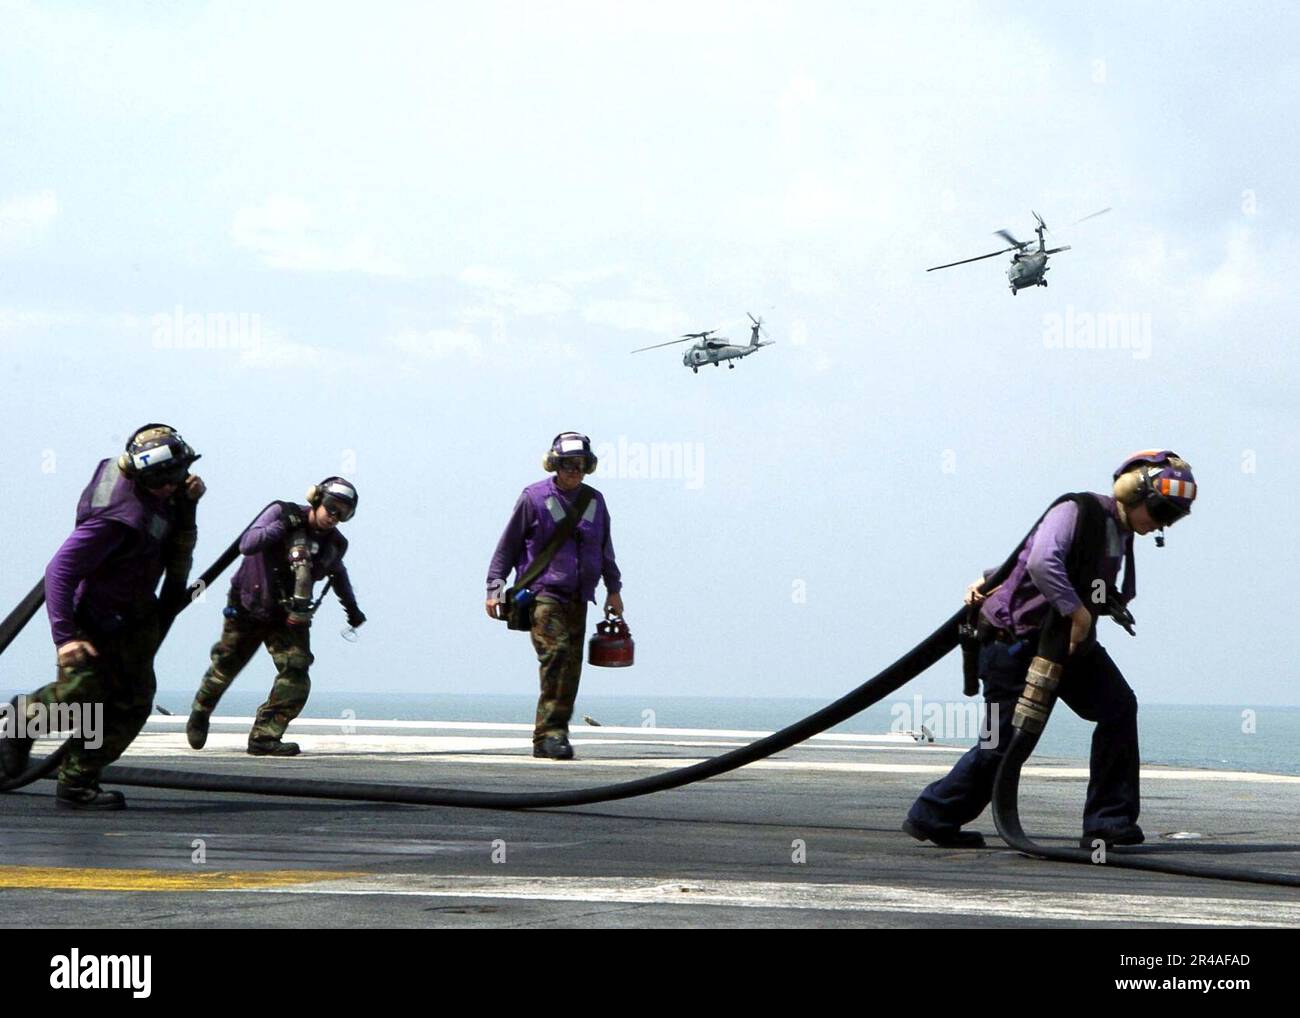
point(709, 349)
point(1028, 266)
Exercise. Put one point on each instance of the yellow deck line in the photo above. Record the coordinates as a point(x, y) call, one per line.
point(71, 878)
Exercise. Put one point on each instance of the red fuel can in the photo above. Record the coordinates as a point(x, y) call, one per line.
point(611, 645)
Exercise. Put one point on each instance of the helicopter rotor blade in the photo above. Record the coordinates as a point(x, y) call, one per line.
point(1008, 238)
point(975, 259)
point(1053, 250)
point(1040, 221)
point(671, 342)
point(1094, 215)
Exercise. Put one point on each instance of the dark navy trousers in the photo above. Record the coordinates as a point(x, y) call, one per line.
point(1094, 689)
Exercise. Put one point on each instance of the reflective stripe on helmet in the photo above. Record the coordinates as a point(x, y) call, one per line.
point(340, 489)
point(1176, 488)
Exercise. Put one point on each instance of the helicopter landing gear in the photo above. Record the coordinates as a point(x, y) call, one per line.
point(696, 370)
point(732, 367)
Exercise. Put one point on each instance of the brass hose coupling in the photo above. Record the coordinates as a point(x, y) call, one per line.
point(1038, 696)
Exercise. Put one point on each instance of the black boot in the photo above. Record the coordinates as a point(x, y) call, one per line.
point(554, 747)
point(196, 729)
point(944, 839)
point(272, 747)
point(14, 751)
point(88, 797)
point(1112, 836)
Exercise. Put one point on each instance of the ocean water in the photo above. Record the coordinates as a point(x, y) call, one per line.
point(1219, 737)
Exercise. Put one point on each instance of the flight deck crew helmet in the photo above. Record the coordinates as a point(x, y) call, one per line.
point(569, 445)
point(156, 455)
point(337, 494)
point(1159, 479)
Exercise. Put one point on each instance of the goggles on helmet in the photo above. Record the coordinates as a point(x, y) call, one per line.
point(160, 477)
point(1165, 513)
point(340, 509)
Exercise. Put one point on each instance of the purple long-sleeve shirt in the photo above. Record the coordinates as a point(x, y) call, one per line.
point(578, 565)
point(1039, 577)
point(111, 563)
point(264, 550)
point(81, 555)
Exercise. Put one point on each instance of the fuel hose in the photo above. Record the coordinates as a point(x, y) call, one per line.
point(1032, 711)
point(921, 657)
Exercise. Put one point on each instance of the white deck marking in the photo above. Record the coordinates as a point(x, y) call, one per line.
point(974, 903)
point(481, 749)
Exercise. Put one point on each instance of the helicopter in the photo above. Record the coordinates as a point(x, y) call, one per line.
point(1028, 266)
point(710, 350)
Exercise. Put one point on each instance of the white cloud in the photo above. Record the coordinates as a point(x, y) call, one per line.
point(286, 233)
point(1234, 279)
point(435, 344)
point(547, 297)
point(644, 314)
point(25, 217)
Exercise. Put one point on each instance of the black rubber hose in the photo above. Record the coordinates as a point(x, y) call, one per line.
point(906, 668)
point(1006, 807)
point(18, 618)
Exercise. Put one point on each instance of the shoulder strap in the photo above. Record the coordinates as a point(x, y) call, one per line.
point(562, 533)
point(1088, 547)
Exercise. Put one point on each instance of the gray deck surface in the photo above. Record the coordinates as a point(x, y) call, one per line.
point(718, 853)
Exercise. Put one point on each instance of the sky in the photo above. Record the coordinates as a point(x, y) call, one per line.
point(410, 243)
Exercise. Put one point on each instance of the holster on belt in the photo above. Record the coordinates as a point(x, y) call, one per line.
point(969, 637)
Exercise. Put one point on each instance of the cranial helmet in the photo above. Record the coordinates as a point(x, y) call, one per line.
point(337, 494)
point(1159, 479)
point(569, 445)
point(156, 455)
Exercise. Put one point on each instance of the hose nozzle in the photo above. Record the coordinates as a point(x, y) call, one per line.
point(1038, 696)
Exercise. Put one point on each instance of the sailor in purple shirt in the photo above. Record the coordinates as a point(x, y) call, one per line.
point(565, 586)
point(1072, 556)
point(135, 526)
point(287, 549)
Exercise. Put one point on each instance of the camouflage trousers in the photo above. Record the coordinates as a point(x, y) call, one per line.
point(559, 631)
point(290, 649)
point(122, 679)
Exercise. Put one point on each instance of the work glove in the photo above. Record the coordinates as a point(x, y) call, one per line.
point(356, 617)
point(292, 518)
